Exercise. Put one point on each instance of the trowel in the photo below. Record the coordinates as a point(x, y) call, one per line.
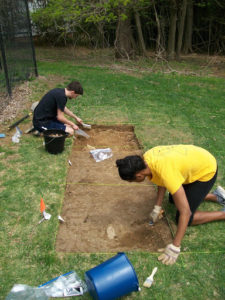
point(82, 133)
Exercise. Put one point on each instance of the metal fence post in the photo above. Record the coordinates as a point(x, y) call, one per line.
point(31, 38)
point(4, 62)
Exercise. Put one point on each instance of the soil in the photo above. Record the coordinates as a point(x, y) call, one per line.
point(102, 213)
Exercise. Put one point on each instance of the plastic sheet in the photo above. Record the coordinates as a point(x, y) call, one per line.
point(66, 285)
point(17, 135)
point(101, 154)
point(26, 292)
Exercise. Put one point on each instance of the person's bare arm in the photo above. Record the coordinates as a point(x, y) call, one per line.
point(154, 214)
point(172, 251)
point(183, 207)
point(72, 115)
point(160, 195)
point(64, 120)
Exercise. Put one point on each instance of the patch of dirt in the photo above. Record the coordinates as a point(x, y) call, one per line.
point(102, 212)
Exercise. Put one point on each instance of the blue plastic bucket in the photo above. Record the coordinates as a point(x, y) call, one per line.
point(112, 279)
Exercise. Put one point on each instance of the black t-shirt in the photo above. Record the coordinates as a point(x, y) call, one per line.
point(47, 108)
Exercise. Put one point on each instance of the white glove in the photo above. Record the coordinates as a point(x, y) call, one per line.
point(154, 215)
point(170, 254)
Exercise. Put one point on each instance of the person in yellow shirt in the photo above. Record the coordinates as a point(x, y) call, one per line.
point(188, 173)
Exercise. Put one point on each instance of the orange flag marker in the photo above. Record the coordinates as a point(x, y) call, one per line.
point(42, 205)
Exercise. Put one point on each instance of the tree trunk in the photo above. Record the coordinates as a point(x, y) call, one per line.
point(180, 27)
point(124, 43)
point(101, 41)
point(210, 36)
point(189, 28)
point(140, 34)
point(158, 39)
point(172, 30)
point(163, 32)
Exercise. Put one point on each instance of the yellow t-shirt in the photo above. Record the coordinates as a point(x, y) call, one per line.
point(172, 166)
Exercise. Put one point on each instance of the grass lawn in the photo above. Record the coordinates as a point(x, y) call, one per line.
point(165, 109)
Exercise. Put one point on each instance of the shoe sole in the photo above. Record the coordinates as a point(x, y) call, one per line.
point(221, 191)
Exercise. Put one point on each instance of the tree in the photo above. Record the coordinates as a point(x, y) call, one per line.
point(159, 47)
point(61, 18)
point(170, 26)
point(180, 27)
point(124, 42)
point(189, 28)
point(140, 34)
point(172, 30)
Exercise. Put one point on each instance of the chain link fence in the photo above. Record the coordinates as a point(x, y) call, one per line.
point(17, 54)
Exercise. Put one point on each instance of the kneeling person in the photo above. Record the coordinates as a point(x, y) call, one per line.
point(49, 113)
point(188, 172)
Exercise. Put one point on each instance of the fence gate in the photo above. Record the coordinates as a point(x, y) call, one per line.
point(17, 55)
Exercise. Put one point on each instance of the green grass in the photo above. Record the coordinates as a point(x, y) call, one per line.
point(165, 109)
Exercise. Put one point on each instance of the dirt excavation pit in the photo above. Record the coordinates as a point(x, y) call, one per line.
point(102, 212)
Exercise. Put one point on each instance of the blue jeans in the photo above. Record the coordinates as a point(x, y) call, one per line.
point(51, 124)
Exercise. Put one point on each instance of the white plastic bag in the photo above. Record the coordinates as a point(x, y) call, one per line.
point(17, 135)
point(101, 154)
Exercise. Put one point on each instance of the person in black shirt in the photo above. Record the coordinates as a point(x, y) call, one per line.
point(49, 113)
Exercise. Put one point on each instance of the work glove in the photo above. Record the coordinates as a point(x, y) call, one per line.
point(170, 254)
point(154, 215)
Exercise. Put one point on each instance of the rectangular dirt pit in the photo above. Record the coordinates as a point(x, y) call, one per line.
point(117, 138)
point(102, 212)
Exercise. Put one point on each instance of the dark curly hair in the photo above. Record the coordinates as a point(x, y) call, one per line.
point(129, 166)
